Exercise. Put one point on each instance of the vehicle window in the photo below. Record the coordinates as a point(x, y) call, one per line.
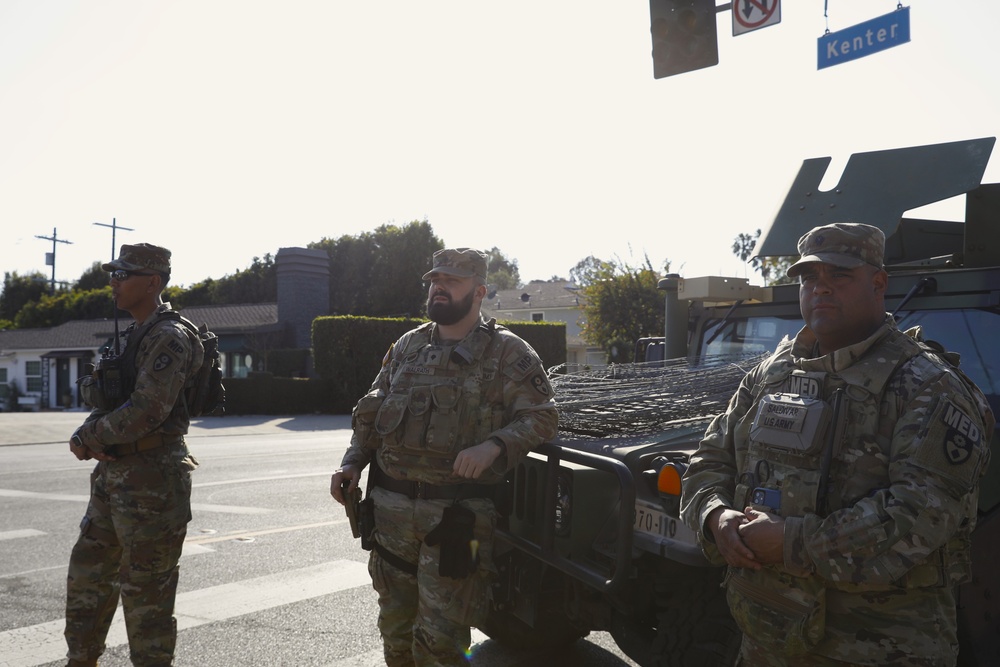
point(969, 333)
point(749, 336)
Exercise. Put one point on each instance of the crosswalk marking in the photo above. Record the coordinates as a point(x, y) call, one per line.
point(39, 644)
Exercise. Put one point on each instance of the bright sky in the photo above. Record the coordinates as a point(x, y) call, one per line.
point(227, 129)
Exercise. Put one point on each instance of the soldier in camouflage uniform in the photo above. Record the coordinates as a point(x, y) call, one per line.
point(841, 484)
point(458, 403)
point(140, 499)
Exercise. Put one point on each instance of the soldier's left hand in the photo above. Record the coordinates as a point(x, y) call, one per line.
point(765, 534)
point(472, 462)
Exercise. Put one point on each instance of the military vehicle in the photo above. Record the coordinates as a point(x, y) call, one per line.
point(593, 540)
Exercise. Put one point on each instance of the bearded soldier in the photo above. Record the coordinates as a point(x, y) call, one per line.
point(458, 403)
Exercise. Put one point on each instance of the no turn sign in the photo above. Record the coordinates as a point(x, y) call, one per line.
point(751, 15)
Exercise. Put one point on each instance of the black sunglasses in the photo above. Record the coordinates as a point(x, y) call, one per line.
point(122, 275)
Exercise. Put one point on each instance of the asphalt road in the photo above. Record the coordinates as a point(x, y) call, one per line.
point(270, 574)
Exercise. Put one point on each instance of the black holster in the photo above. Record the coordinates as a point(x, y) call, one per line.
point(459, 548)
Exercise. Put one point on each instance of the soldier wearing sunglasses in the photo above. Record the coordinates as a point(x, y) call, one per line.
point(140, 500)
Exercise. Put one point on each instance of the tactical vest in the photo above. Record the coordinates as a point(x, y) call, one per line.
point(442, 398)
point(802, 421)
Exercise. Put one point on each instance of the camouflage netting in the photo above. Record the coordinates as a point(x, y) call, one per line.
point(642, 398)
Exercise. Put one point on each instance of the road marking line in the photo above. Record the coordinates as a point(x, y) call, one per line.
point(248, 480)
point(235, 536)
point(39, 644)
point(17, 534)
point(201, 507)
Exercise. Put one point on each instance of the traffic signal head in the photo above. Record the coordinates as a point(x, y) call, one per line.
point(685, 36)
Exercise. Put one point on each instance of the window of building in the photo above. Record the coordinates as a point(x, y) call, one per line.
point(538, 317)
point(33, 375)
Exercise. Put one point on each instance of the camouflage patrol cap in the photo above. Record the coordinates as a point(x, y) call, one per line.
point(464, 262)
point(141, 256)
point(847, 244)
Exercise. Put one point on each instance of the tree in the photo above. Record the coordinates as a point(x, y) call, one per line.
point(19, 290)
point(589, 269)
point(743, 247)
point(378, 273)
point(621, 304)
point(503, 272)
point(93, 278)
point(54, 309)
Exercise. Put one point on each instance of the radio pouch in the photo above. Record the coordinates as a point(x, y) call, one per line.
point(459, 548)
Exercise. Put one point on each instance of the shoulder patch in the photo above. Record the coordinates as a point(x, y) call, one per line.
point(162, 362)
point(541, 384)
point(525, 363)
point(962, 434)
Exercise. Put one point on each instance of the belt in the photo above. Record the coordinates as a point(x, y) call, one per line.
point(147, 442)
point(428, 491)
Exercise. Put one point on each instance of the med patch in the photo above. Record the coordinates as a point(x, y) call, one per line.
point(962, 434)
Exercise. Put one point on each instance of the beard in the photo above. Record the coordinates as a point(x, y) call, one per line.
point(449, 312)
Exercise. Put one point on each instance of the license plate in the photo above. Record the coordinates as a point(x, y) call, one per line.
point(654, 521)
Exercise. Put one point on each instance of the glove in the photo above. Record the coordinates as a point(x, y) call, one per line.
point(459, 549)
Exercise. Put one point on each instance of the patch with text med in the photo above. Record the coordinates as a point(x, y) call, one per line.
point(962, 435)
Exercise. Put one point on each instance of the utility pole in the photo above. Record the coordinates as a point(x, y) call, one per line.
point(114, 226)
point(51, 258)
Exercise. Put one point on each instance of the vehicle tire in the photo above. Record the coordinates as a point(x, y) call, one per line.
point(552, 632)
point(694, 626)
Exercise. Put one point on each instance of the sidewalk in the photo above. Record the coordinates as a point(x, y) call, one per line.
point(36, 428)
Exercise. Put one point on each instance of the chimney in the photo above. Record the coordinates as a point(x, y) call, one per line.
point(303, 291)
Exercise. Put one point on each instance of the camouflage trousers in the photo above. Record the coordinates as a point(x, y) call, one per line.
point(753, 654)
point(129, 545)
point(425, 619)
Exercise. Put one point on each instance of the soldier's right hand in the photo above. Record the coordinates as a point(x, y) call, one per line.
point(348, 473)
point(724, 524)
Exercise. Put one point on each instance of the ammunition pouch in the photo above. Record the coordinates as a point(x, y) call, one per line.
point(459, 548)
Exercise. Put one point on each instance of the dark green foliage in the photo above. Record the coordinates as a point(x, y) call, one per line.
point(348, 352)
point(258, 283)
point(50, 311)
point(547, 338)
point(265, 394)
point(621, 303)
point(93, 278)
point(503, 272)
point(378, 273)
point(286, 363)
point(19, 290)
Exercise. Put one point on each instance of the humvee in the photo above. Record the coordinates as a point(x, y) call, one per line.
point(593, 540)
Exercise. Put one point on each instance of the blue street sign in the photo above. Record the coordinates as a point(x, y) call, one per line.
point(864, 39)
